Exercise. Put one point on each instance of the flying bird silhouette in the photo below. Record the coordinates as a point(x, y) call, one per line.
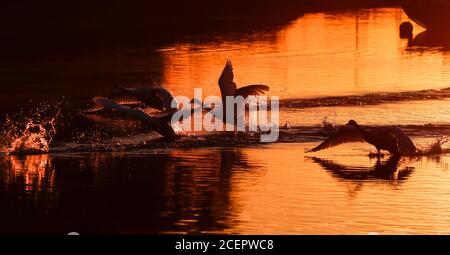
point(391, 139)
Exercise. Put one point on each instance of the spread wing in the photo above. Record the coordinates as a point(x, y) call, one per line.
point(345, 135)
point(156, 97)
point(94, 109)
point(165, 98)
point(251, 90)
point(405, 145)
point(161, 127)
point(109, 104)
point(126, 102)
point(226, 83)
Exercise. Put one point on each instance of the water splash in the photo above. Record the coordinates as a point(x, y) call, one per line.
point(434, 148)
point(328, 126)
point(32, 137)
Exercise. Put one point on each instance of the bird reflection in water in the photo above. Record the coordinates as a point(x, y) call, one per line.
point(381, 170)
point(427, 40)
point(388, 171)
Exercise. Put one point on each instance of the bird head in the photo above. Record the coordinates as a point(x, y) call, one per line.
point(352, 123)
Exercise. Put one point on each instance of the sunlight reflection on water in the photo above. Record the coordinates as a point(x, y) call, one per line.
point(220, 190)
point(333, 53)
point(269, 189)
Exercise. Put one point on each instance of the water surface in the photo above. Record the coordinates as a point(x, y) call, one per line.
point(326, 67)
point(225, 190)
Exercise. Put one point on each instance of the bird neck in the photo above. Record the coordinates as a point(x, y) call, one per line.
point(361, 129)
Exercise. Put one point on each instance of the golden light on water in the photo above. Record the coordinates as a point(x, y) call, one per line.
point(320, 54)
point(231, 186)
point(34, 172)
point(339, 201)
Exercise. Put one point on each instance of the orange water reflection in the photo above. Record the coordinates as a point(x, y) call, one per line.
point(31, 169)
point(333, 53)
point(270, 189)
point(273, 189)
point(343, 192)
point(31, 180)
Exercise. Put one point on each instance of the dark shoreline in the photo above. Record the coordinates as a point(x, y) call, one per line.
point(50, 28)
point(323, 5)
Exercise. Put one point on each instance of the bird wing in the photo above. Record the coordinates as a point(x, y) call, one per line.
point(122, 101)
point(345, 135)
point(404, 143)
point(165, 98)
point(161, 127)
point(156, 97)
point(107, 103)
point(252, 90)
point(94, 109)
point(226, 83)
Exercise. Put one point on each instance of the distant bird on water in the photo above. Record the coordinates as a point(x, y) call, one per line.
point(391, 139)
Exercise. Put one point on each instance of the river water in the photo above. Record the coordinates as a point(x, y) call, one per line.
point(326, 67)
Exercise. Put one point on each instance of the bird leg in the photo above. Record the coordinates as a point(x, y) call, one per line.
point(377, 154)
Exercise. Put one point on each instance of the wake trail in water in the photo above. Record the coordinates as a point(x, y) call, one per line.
point(367, 99)
point(299, 134)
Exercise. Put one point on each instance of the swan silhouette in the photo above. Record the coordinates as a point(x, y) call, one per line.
point(161, 99)
point(391, 139)
point(229, 88)
point(159, 124)
point(158, 98)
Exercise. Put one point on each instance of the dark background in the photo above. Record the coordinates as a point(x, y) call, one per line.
point(47, 26)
